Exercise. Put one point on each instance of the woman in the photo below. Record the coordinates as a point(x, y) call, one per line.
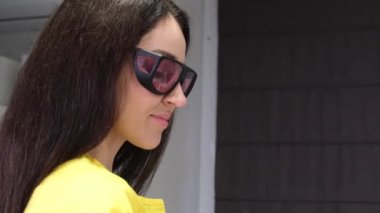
point(97, 94)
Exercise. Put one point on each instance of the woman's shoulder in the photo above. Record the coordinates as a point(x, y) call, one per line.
point(83, 173)
point(81, 183)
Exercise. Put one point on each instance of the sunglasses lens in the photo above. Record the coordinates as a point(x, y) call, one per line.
point(187, 82)
point(167, 74)
point(145, 63)
point(160, 74)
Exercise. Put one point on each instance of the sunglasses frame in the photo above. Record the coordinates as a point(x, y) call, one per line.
point(146, 79)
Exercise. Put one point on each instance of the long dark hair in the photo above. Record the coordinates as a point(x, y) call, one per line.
point(64, 102)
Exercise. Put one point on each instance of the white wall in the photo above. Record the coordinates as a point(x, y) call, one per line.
point(185, 178)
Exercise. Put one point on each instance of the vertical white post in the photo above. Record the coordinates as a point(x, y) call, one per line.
point(209, 107)
point(185, 179)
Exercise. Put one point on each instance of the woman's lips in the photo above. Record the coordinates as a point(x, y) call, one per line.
point(162, 120)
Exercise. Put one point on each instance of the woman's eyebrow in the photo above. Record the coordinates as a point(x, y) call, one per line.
point(165, 53)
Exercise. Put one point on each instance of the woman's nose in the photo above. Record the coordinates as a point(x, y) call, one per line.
point(176, 97)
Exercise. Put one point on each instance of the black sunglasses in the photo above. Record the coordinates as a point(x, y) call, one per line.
point(160, 74)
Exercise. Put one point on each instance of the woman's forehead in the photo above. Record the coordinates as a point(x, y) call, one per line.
point(166, 38)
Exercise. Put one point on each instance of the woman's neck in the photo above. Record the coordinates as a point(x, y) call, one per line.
point(106, 151)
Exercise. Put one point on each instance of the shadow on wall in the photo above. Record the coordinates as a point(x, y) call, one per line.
point(2, 110)
point(8, 74)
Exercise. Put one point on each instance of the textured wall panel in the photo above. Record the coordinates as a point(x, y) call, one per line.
point(298, 107)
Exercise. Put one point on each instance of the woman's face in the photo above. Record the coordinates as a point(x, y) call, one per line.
point(143, 115)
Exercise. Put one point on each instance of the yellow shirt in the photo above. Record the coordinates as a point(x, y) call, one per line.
point(85, 185)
